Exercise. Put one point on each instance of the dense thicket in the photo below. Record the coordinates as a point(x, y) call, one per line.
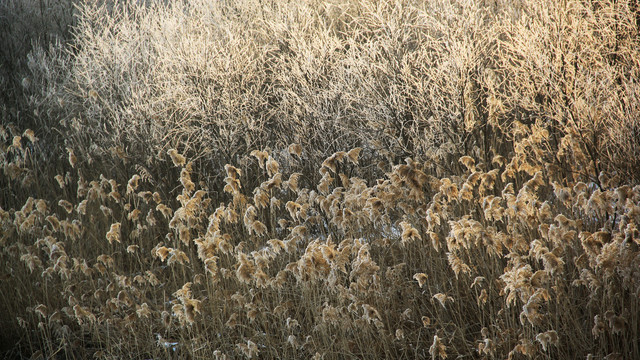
point(342, 179)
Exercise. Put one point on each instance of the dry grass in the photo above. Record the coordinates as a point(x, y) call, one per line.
point(343, 179)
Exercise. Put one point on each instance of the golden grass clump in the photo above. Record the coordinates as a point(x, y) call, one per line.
point(437, 350)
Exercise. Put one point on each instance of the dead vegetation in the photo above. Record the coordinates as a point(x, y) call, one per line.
point(343, 179)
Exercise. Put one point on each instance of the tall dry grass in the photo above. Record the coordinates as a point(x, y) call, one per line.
point(344, 179)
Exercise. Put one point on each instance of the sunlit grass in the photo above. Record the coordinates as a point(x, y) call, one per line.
point(348, 179)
